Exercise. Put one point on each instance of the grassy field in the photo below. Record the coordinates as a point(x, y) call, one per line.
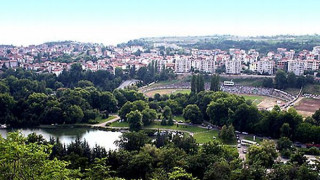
point(167, 91)
point(201, 135)
point(293, 91)
point(156, 124)
point(308, 89)
point(312, 89)
point(179, 118)
point(192, 129)
point(255, 99)
point(205, 136)
point(119, 124)
point(182, 91)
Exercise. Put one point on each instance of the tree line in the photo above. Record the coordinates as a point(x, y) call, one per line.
point(261, 46)
point(285, 80)
point(146, 155)
point(221, 109)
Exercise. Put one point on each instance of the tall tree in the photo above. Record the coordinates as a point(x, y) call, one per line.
point(281, 79)
point(263, 155)
point(200, 83)
point(22, 160)
point(193, 113)
point(132, 71)
point(6, 106)
point(214, 85)
point(135, 120)
point(194, 84)
point(292, 80)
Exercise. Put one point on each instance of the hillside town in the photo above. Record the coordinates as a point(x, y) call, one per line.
point(56, 56)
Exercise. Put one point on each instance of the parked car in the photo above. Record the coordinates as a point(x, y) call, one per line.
point(244, 151)
point(245, 133)
point(239, 146)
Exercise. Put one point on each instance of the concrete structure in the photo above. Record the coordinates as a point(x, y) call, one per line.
point(296, 66)
point(233, 66)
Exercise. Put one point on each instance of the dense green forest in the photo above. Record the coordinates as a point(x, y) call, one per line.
point(261, 46)
point(167, 156)
point(28, 98)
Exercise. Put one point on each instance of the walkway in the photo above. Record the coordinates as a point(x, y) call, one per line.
point(117, 118)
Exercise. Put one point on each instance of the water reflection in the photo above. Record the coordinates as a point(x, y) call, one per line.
point(67, 135)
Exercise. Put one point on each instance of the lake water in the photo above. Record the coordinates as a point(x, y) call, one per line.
point(67, 135)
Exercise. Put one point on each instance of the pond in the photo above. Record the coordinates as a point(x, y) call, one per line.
point(67, 135)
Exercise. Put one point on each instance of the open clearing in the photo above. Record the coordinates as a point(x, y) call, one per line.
point(166, 91)
point(307, 106)
point(269, 102)
point(262, 102)
point(255, 99)
point(201, 135)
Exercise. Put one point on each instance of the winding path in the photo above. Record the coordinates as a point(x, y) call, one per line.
point(117, 118)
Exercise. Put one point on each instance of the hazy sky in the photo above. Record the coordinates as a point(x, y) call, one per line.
point(24, 22)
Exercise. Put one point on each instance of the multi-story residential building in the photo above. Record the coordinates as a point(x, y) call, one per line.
point(289, 54)
point(182, 65)
point(316, 50)
point(233, 66)
point(185, 64)
point(296, 66)
point(311, 65)
point(265, 66)
point(204, 65)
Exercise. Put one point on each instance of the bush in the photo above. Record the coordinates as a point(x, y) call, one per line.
point(286, 153)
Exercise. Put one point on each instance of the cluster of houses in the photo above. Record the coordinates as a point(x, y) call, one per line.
point(55, 57)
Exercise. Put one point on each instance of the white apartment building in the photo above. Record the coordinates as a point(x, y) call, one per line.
point(265, 66)
point(311, 65)
point(316, 50)
point(233, 66)
point(296, 66)
point(182, 65)
point(204, 65)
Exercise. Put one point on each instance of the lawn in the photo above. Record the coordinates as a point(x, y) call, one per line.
point(119, 124)
point(166, 91)
point(178, 127)
point(178, 118)
point(201, 135)
point(206, 136)
point(255, 99)
point(312, 89)
point(182, 91)
point(157, 124)
point(293, 91)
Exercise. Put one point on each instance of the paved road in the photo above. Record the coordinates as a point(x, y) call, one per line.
point(127, 83)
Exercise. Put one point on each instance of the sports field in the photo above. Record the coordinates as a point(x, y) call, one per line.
point(262, 102)
point(307, 106)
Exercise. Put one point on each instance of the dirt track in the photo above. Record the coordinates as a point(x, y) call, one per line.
point(307, 106)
